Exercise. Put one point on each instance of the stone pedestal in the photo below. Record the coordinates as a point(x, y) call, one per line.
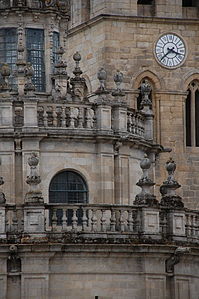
point(177, 224)
point(30, 114)
point(150, 221)
point(120, 119)
point(103, 117)
point(2, 222)
point(6, 114)
point(34, 219)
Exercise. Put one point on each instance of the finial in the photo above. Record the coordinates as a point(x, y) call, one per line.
point(169, 187)
point(118, 79)
point(145, 197)
point(77, 71)
point(145, 92)
point(102, 77)
point(78, 83)
point(33, 180)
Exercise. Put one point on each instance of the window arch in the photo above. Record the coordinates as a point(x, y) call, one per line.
point(68, 187)
point(192, 114)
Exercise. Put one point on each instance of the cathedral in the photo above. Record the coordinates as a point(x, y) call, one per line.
point(99, 149)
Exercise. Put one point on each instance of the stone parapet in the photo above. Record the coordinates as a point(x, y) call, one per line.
point(109, 222)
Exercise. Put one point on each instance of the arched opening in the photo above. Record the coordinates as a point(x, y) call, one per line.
point(192, 114)
point(68, 187)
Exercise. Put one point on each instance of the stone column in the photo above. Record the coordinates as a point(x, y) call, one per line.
point(60, 78)
point(103, 111)
point(34, 211)
point(78, 83)
point(119, 105)
point(149, 212)
point(173, 203)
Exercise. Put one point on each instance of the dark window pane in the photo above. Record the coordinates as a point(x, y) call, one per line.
point(8, 51)
point(145, 2)
point(188, 119)
point(35, 55)
point(187, 3)
point(68, 187)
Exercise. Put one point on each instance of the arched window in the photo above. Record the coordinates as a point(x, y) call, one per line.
point(68, 187)
point(192, 114)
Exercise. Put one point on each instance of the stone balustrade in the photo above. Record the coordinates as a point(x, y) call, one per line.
point(66, 116)
point(134, 222)
point(135, 123)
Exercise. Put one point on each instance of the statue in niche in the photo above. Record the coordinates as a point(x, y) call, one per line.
point(14, 261)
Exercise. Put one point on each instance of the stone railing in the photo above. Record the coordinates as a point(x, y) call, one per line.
point(66, 116)
point(132, 222)
point(135, 123)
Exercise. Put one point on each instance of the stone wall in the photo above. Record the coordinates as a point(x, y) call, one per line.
point(71, 271)
point(127, 44)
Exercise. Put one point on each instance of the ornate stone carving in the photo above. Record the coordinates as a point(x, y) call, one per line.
point(145, 197)
point(2, 195)
point(5, 74)
point(175, 259)
point(29, 72)
point(33, 180)
point(168, 188)
point(118, 79)
point(102, 77)
point(145, 92)
point(14, 261)
point(78, 83)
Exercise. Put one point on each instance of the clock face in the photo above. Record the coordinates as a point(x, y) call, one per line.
point(170, 50)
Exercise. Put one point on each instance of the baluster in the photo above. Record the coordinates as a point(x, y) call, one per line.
point(89, 118)
point(129, 123)
point(133, 123)
point(63, 117)
point(103, 221)
point(113, 221)
point(74, 220)
point(64, 219)
point(81, 118)
point(45, 118)
point(54, 115)
point(84, 220)
point(94, 221)
point(188, 226)
point(122, 223)
point(54, 219)
point(194, 226)
point(130, 221)
point(15, 222)
point(197, 226)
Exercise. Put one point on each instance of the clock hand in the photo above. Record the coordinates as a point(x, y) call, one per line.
point(177, 53)
point(169, 50)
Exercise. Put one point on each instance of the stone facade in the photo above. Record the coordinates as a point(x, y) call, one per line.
point(89, 100)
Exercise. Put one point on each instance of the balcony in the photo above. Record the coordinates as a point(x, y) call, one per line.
point(98, 223)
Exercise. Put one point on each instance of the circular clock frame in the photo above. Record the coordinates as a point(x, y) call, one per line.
point(170, 50)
